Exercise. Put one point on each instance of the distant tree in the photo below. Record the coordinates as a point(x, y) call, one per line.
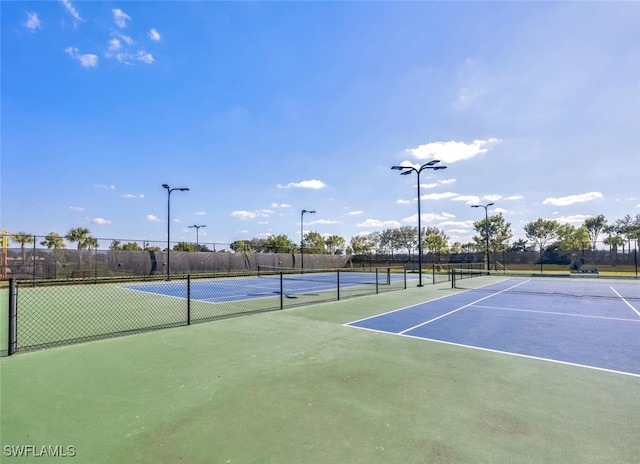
point(53, 240)
point(361, 244)
point(541, 231)
point(23, 239)
point(595, 225)
point(335, 244)
point(279, 244)
point(519, 246)
point(131, 246)
point(457, 248)
point(116, 245)
point(496, 229)
point(185, 246)
point(81, 236)
point(435, 243)
point(313, 243)
point(406, 237)
point(241, 246)
point(572, 238)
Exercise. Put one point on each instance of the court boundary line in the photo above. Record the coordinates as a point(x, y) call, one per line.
point(626, 302)
point(463, 307)
point(555, 313)
point(508, 353)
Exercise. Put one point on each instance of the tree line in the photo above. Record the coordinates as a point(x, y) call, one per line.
point(494, 230)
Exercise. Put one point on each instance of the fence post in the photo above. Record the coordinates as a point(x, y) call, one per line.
point(281, 290)
point(338, 283)
point(13, 317)
point(377, 281)
point(188, 299)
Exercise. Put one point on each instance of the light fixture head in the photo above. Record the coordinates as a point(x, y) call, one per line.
point(165, 186)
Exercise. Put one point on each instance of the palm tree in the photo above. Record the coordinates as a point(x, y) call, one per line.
point(53, 240)
point(23, 238)
point(82, 237)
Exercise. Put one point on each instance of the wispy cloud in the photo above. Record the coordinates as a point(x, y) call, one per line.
point(375, 223)
point(355, 213)
point(72, 11)
point(322, 222)
point(428, 217)
point(200, 213)
point(133, 195)
point(572, 199)
point(468, 199)
point(281, 205)
point(573, 219)
point(308, 184)
point(101, 221)
point(243, 214)
point(87, 60)
point(154, 35)
point(76, 208)
point(451, 152)
point(105, 187)
point(120, 18)
point(33, 22)
point(151, 218)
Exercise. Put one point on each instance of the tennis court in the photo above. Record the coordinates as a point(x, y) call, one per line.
point(302, 386)
point(274, 282)
point(587, 322)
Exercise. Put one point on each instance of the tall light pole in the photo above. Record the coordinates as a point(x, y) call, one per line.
point(486, 229)
point(169, 190)
point(197, 231)
point(302, 237)
point(405, 170)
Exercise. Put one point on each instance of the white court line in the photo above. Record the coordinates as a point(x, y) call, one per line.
point(508, 353)
point(462, 307)
point(627, 303)
point(554, 313)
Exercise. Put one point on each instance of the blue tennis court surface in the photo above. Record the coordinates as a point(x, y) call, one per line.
point(223, 290)
point(516, 316)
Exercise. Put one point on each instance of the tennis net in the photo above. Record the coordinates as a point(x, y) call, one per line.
point(364, 276)
point(565, 284)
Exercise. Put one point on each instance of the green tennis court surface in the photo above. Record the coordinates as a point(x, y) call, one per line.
point(296, 386)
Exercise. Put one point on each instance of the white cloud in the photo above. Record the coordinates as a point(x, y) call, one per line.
point(200, 213)
point(120, 18)
point(573, 219)
point(308, 184)
point(451, 152)
point(76, 208)
point(88, 60)
point(323, 221)
point(145, 57)
point(154, 35)
point(105, 187)
point(72, 11)
point(429, 217)
point(469, 199)
point(493, 197)
point(151, 218)
point(375, 223)
point(281, 205)
point(572, 199)
point(132, 195)
point(513, 197)
point(33, 22)
point(403, 202)
point(355, 213)
point(463, 224)
point(101, 221)
point(243, 214)
point(439, 196)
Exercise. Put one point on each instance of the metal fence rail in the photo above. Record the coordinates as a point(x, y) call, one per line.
point(49, 313)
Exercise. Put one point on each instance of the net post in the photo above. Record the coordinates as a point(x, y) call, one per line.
point(453, 278)
point(376, 281)
point(13, 317)
point(188, 299)
point(404, 271)
point(281, 290)
point(338, 283)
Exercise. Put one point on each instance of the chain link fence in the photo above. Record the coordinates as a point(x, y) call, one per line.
point(47, 313)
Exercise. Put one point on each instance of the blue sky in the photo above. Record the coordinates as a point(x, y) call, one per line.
point(264, 109)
